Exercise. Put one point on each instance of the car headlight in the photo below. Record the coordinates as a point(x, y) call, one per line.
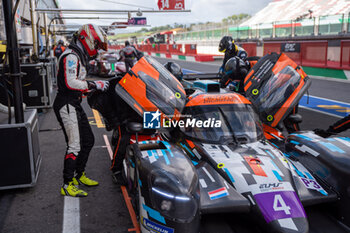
point(171, 198)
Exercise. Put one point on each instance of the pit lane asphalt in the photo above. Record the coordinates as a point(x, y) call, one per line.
point(40, 209)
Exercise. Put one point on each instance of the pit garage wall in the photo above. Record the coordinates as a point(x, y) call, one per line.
point(330, 59)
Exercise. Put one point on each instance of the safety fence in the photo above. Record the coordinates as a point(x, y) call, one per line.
point(323, 25)
point(311, 53)
point(177, 49)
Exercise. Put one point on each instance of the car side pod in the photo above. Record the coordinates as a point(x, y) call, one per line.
point(167, 186)
point(219, 197)
point(328, 159)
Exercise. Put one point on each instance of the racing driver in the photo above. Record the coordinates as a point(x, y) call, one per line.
point(70, 114)
point(228, 46)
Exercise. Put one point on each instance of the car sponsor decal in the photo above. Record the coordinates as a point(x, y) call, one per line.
point(313, 184)
point(155, 227)
point(154, 214)
point(280, 205)
point(218, 193)
point(254, 163)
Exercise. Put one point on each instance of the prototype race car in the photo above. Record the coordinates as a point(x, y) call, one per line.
point(107, 65)
point(209, 166)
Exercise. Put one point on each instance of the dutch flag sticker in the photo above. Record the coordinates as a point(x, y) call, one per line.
point(218, 193)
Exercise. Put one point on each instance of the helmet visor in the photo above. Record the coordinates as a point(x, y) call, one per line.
point(101, 42)
point(222, 48)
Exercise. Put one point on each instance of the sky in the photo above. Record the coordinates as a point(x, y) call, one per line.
point(201, 10)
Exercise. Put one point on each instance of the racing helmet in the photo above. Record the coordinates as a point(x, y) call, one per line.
point(175, 69)
point(92, 38)
point(236, 67)
point(227, 43)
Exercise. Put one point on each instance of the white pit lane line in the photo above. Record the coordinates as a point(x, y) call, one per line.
point(108, 145)
point(71, 215)
point(71, 209)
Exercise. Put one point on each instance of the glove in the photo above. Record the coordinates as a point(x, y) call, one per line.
point(221, 70)
point(100, 85)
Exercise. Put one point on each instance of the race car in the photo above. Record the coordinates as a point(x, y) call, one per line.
point(107, 65)
point(210, 167)
point(274, 92)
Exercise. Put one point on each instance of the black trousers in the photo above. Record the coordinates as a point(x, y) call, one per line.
point(129, 63)
point(121, 142)
point(78, 135)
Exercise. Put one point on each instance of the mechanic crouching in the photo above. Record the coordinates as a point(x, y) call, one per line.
point(234, 72)
point(67, 106)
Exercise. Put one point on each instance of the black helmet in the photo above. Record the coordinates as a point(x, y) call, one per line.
point(236, 67)
point(175, 69)
point(226, 44)
point(127, 43)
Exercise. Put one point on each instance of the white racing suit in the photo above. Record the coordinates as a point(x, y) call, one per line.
point(70, 114)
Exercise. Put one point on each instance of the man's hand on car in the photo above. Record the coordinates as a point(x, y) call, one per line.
point(99, 85)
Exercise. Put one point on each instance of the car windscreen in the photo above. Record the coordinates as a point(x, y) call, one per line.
point(239, 123)
point(161, 91)
point(277, 89)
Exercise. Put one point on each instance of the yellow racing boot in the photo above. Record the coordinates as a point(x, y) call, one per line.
point(84, 180)
point(70, 190)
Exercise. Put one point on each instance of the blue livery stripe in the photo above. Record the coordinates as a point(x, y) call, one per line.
point(229, 175)
point(166, 144)
point(154, 214)
point(332, 147)
point(166, 157)
point(298, 172)
point(309, 175)
point(277, 175)
point(323, 192)
point(345, 138)
point(275, 165)
point(187, 149)
point(294, 142)
point(140, 183)
point(154, 152)
point(303, 137)
point(272, 156)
